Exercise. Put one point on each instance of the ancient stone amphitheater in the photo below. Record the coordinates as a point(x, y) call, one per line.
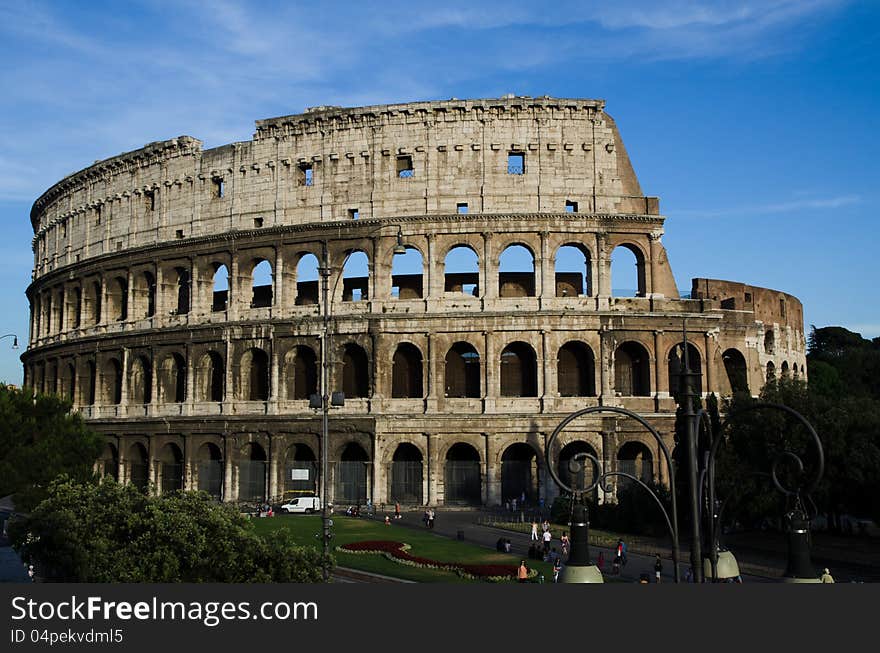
point(175, 299)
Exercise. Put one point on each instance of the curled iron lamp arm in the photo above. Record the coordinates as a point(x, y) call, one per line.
point(14, 339)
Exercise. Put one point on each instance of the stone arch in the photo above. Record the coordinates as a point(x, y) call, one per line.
point(462, 371)
point(140, 380)
point(771, 372)
point(356, 277)
point(219, 287)
point(172, 379)
point(301, 471)
point(516, 271)
point(461, 270)
point(355, 371)
point(632, 370)
point(352, 473)
point(261, 283)
point(210, 377)
point(407, 274)
point(463, 478)
point(254, 375)
point(68, 381)
point(144, 295)
point(117, 299)
point(675, 363)
point(170, 468)
point(784, 370)
point(92, 300)
point(575, 370)
point(634, 457)
point(737, 372)
point(252, 471)
point(138, 464)
point(407, 474)
point(77, 307)
point(109, 463)
point(621, 275)
point(406, 372)
point(91, 386)
point(301, 372)
point(183, 285)
point(794, 371)
point(307, 280)
point(769, 342)
point(209, 469)
point(520, 473)
point(111, 382)
point(582, 478)
point(519, 371)
point(573, 271)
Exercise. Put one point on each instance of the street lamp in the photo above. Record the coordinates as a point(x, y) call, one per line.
point(326, 398)
point(14, 339)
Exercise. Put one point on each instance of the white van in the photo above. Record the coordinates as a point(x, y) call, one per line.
point(302, 504)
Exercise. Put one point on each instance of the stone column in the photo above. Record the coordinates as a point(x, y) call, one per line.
point(123, 400)
point(187, 465)
point(278, 282)
point(121, 467)
point(658, 383)
point(234, 284)
point(430, 482)
point(433, 284)
point(229, 395)
point(151, 466)
point(603, 271)
point(492, 486)
point(434, 385)
point(228, 494)
point(379, 491)
point(190, 378)
point(273, 467)
point(608, 442)
point(161, 303)
point(606, 367)
point(130, 314)
point(490, 376)
point(545, 288)
point(154, 381)
point(274, 377)
point(654, 251)
point(102, 318)
point(547, 390)
point(488, 269)
point(708, 366)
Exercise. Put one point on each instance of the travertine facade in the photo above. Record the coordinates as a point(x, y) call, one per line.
point(453, 377)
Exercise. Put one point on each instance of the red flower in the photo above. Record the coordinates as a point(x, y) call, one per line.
point(398, 550)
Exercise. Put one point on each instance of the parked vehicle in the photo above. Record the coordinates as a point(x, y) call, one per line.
point(302, 504)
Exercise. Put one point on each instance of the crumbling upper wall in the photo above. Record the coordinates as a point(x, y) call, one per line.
point(457, 153)
point(769, 306)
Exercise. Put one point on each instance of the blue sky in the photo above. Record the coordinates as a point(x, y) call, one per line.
point(755, 122)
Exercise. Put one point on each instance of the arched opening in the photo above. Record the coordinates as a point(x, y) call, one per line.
point(675, 367)
point(172, 379)
point(144, 293)
point(261, 284)
point(302, 372)
point(406, 275)
point(355, 372)
point(91, 383)
point(140, 381)
point(463, 479)
point(183, 290)
point(138, 467)
point(209, 460)
point(582, 477)
point(301, 472)
point(220, 285)
point(519, 473)
point(406, 474)
point(351, 475)
point(356, 278)
point(462, 371)
point(307, 280)
point(111, 382)
point(68, 382)
point(627, 271)
point(794, 371)
point(110, 462)
point(784, 370)
point(117, 299)
point(573, 276)
point(406, 372)
point(254, 384)
point(632, 371)
point(461, 271)
point(211, 377)
point(771, 371)
point(94, 301)
point(519, 371)
point(171, 468)
point(575, 370)
point(635, 458)
point(516, 272)
point(252, 473)
point(77, 307)
point(735, 366)
point(769, 342)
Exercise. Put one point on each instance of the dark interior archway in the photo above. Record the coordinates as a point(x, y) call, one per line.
point(301, 472)
point(519, 371)
point(463, 477)
point(406, 372)
point(210, 470)
point(632, 370)
point(355, 372)
point(462, 371)
point(407, 474)
point(252, 473)
point(575, 371)
point(519, 473)
point(351, 475)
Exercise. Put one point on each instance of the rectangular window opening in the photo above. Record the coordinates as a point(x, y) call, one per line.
point(748, 298)
point(516, 163)
point(571, 207)
point(461, 207)
point(354, 214)
point(179, 233)
point(258, 222)
point(219, 188)
point(405, 166)
point(306, 174)
point(150, 200)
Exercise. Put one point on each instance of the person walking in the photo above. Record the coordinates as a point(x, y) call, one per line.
point(658, 567)
point(522, 574)
point(826, 576)
point(548, 537)
point(566, 543)
point(557, 567)
point(534, 531)
point(623, 553)
point(397, 510)
point(431, 517)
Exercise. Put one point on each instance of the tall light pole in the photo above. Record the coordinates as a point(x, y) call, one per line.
point(14, 339)
point(327, 397)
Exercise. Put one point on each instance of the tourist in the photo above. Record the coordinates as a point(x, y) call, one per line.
point(499, 545)
point(522, 573)
point(658, 567)
point(548, 537)
point(534, 531)
point(566, 543)
point(826, 576)
point(427, 518)
point(557, 567)
point(387, 520)
point(397, 510)
point(507, 545)
point(431, 516)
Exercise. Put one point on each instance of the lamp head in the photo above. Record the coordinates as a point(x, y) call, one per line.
point(15, 342)
point(399, 248)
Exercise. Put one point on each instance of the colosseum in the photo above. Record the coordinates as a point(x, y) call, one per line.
point(466, 247)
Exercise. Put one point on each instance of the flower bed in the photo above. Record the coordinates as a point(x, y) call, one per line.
point(399, 552)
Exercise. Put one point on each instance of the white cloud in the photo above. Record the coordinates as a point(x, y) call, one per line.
point(804, 204)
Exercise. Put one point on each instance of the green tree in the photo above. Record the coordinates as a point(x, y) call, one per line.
point(110, 533)
point(40, 439)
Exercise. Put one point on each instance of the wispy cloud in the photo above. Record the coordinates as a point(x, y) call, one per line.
point(803, 204)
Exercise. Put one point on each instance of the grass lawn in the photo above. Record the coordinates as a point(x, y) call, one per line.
point(306, 531)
